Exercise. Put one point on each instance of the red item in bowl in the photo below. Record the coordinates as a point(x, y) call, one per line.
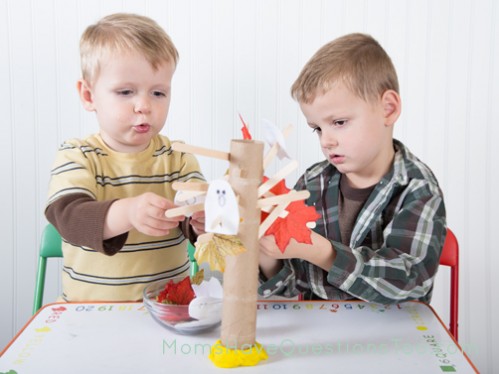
point(180, 293)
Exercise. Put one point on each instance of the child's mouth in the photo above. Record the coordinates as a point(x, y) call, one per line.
point(336, 159)
point(143, 128)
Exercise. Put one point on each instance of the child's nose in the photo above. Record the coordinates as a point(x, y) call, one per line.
point(328, 140)
point(142, 105)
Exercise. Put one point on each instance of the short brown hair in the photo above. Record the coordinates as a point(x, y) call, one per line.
point(123, 32)
point(356, 60)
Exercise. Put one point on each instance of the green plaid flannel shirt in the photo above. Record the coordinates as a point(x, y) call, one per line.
point(395, 245)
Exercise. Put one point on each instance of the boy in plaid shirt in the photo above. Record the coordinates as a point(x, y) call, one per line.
point(382, 224)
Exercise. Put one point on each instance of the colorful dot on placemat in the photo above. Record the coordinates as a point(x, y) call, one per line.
point(448, 369)
point(422, 328)
point(43, 329)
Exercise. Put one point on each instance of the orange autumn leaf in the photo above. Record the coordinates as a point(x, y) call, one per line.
point(294, 225)
point(180, 293)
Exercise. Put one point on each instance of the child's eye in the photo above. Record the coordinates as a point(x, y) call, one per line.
point(340, 122)
point(124, 92)
point(159, 94)
point(316, 129)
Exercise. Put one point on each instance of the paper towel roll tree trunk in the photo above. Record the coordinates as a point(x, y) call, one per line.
point(240, 279)
point(240, 265)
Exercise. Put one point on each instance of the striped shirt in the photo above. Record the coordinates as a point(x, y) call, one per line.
point(395, 245)
point(90, 168)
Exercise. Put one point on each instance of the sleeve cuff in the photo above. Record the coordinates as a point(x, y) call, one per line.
point(276, 284)
point(345, 267)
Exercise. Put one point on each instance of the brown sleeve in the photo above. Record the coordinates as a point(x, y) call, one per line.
point(80, 220)
point(187, 230)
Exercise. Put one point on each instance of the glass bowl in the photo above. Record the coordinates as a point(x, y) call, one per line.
point(177, 317)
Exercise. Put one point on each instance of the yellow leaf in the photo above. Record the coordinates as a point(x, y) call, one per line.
point(198, 278)
point(212, 248)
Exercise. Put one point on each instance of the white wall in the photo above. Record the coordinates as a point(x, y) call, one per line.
point(241, 57)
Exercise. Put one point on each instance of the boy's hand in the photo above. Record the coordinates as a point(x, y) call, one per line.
point(147, 214)
point(269, 257)
point(269, 248)
point(320, 253)
point(197, 222)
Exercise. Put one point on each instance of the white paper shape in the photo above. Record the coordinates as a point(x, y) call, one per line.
point(206, 309)
point(221, 209)
point(189, 198)
point(207, 305)
point(211, 288)
point(272, 135)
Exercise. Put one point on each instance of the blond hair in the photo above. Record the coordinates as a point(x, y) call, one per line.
point(357, 60)
point(124, 33)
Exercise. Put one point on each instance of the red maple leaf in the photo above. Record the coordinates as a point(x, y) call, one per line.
point(294, 225)
point(180, 293)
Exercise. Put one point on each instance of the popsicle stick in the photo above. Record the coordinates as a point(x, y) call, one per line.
point(264, 226)
point(183, 196)
point(277, 177)
point(269, 208)
point(182, 147)
point(275, 147)
point(184, 210)
point(285, 198)
point(190, 186)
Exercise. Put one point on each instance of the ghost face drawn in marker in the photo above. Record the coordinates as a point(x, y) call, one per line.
point(221, 197)
point(221, 209)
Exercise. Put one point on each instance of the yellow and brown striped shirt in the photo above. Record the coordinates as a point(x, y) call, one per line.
point(90, 168)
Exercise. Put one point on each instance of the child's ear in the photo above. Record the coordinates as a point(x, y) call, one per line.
point(391, 106)
point(85, 93)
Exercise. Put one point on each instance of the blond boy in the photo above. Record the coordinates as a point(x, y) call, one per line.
point(109, 192)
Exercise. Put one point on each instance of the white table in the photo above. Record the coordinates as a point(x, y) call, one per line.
point(342, 337)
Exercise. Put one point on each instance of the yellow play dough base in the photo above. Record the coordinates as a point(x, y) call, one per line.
point(230, 358)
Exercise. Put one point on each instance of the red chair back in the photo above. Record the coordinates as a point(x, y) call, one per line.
point(450, 257)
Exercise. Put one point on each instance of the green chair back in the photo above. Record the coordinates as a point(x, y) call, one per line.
point(194, 265)
point(50, 246)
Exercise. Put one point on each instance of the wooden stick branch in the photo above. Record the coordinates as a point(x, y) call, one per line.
point(182, 147)
point(184, 210)
point(270, 208)
point(282, 201)
point(277, 177)
point(286, 198)
point(264, 226)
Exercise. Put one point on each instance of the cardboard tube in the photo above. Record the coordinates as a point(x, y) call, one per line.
point(240, 281)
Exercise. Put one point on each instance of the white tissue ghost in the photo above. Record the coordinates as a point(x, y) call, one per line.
point(207, 305)
point(273, 135)
point(221, 209)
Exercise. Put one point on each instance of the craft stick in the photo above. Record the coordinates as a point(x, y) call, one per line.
point(264, 226)
point(182, 147)
point(277, 177)
point(275, 147)
point(183, 196)
point(184, 210)
point(269, 208)
point(190, 186)
point(285, 198)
